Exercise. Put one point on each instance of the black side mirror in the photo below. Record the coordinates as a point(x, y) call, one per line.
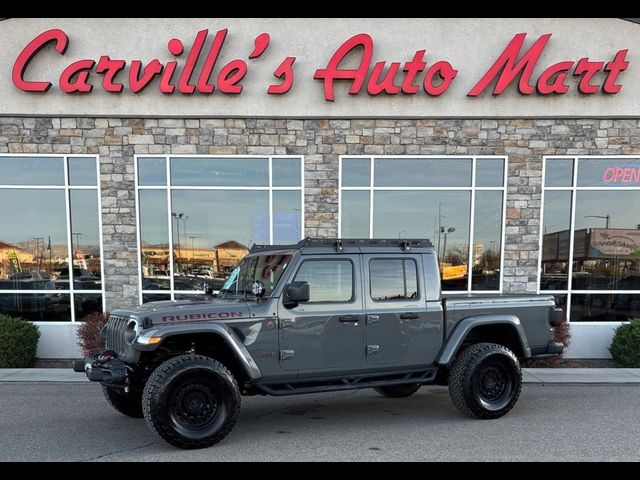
point(296, 292)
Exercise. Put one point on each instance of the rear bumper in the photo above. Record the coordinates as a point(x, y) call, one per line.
point(552, 349)
point(111, 372)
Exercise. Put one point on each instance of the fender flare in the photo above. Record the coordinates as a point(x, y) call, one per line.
point(462, 329)
point(225, 333)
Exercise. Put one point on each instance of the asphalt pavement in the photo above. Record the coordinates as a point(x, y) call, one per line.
point(72, 421)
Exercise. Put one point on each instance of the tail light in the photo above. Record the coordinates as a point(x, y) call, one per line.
point(558, 317)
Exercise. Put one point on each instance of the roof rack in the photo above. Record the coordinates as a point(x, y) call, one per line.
point(341, 243)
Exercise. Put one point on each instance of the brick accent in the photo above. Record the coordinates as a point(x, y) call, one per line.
point(321, 142)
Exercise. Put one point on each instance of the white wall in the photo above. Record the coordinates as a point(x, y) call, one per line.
point(58, 341)
point(470, 44)
point(591, 340)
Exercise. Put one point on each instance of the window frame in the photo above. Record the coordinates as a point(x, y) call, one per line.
point(471, 189)
point(169, 189)
point(574, 189)
point(332, 259)
point(67, 188)
point(404, 271)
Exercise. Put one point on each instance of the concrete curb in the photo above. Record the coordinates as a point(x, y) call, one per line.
point(536, 376)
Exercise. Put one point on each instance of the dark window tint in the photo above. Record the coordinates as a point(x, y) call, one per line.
point(329, 280)
point(619, 307)
point(393, 279)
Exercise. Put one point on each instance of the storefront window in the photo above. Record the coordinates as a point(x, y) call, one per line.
point(195, 228)
point(50, 248)
point(457, 202)
point(591, 236)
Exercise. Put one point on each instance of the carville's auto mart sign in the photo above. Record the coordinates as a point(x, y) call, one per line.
point(320, 67)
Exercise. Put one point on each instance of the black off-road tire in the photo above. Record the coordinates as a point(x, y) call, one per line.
point(191, 401)
point(398, 391)
point(485, 381)
point(129, 404)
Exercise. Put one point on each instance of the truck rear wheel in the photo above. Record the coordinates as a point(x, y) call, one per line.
point(485, 381)
point(191, 401)
point(129, 404)
point(398, 391)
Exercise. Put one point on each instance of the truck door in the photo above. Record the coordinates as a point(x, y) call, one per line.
point(327, 332)
point(395, 309)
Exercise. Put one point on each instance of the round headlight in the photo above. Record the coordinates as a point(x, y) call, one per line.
point(131, 331)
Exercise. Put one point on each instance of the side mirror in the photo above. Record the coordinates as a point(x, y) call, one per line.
point(296, 292)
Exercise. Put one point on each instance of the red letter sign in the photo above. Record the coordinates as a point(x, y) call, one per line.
point(22, 62)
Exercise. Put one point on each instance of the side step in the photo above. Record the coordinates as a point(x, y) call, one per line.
point(333, 384)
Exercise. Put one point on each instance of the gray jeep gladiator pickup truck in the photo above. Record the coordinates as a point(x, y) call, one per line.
point(319, 316)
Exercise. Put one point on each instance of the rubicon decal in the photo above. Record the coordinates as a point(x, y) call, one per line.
point(202, 316)
point(199, 70)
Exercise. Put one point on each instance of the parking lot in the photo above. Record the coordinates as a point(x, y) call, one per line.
point(558, 423)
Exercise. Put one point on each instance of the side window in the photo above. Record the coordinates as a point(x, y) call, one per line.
point(393, 279)
point(329, 280)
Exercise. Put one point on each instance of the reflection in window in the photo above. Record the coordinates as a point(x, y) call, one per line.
point(424, 197)
point(415, 214)
point(555, 240)
point(610, 239)
point(487, 237)
point(220, 172)
point(558, 172)
point(329, 280)
point(393, 280)
point(355, 214)
point(422, 172)
point(601, 275)
point(152, 171)
point(218, 208)
point(37, 254)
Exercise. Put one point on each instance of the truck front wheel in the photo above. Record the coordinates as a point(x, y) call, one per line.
point(191, 401)
point(485, 381)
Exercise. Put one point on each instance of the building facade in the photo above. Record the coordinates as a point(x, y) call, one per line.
point(141, 158)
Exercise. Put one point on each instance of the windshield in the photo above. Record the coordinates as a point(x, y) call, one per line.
point(266, 269)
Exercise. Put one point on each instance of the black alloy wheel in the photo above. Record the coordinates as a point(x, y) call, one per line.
point(485, 381)
point(191, 401)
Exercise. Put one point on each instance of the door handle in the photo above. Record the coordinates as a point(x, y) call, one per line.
point(409, 316)
point(349, 319)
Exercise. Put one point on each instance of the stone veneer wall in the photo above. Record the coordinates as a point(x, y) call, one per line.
point(116, 141)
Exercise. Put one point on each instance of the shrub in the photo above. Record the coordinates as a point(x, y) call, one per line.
point(18, 342)
point(89, 332)
point(625, 347)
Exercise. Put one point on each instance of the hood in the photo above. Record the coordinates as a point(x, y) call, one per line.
point(201, 310)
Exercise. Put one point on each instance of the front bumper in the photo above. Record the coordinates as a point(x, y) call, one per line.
point(105, 369)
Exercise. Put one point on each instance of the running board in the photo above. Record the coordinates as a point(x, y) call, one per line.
point(333, 384)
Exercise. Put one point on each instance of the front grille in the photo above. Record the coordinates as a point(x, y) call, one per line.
point(115, 336)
